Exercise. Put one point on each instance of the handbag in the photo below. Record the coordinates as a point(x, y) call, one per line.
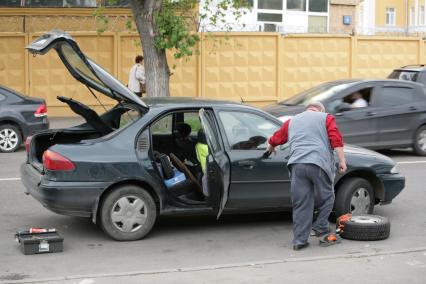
point(142, 87)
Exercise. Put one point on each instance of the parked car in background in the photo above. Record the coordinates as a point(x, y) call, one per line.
point(20, 117)
point(394, 114)
point(414, 73)
point(114, 167)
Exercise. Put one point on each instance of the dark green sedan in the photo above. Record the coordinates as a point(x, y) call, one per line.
point(129, 165)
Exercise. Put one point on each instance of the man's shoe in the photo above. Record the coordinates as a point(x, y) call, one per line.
point(300, 246)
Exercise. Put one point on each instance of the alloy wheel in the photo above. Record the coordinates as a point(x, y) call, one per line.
point(8, 139)
point(360, 201)
point(128, 214)
point(421, 140)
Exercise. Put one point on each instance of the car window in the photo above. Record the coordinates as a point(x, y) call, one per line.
point(193, 120)
point(404, 75)
point(394, 96)
point(209, 127)
point(2, 97)
point(246, 131)
point(163, 125)
point(360, 98)
point(128, 117)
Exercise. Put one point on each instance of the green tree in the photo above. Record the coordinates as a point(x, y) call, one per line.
point(172, 25)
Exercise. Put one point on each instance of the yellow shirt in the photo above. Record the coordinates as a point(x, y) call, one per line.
point(202, 151)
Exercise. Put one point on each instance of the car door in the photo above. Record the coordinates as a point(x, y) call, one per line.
point(256, 182)
point(399, 107)
point(359, 126)
point(217, 164)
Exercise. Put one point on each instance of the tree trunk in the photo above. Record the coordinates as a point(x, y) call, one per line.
point(157, 71)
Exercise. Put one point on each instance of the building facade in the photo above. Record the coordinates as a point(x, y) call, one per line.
point(392, 17)
point(292, 16)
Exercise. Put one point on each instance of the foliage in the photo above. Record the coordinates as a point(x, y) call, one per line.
point(178, 21)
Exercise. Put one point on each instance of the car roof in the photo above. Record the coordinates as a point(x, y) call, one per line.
point(359, 81)
point(162, 102)
point(415, 68)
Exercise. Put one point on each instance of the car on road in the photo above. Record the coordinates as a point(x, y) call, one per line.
point(414, 73)
point(393, 116)
point(115, 168)
point(20, 117)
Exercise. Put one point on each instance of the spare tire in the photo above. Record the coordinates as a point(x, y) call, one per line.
point(366, 227)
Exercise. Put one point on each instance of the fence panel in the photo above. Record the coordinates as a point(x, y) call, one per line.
point(310, 60)
point(240, 66)
point(12, 61)
point(376, 57)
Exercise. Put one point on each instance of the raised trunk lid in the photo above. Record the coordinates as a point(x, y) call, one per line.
point(82, 68)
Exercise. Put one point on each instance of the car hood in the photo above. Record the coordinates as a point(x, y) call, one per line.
point(360, 151)
point(282, 110)
point(82, 68)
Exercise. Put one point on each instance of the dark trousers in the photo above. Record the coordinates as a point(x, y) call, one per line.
point(310, 187)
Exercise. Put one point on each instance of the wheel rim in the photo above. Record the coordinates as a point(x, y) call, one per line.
point(365, 219)
point(421, 140)
point(361, 201)
point(8, 139)
point(128, 214)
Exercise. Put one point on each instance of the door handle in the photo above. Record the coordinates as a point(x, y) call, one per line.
point(370, 113)
point(247, 164)
point(412, 108)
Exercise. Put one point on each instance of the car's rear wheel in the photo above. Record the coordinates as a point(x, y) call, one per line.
point(10, 138)
point(419, 143)
point(128, 213)
point(356, 196)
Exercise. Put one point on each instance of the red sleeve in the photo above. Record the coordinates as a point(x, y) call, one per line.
point(334, 135)
point(280, 136)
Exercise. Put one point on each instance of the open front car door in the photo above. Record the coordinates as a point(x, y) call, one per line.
point(217, 164)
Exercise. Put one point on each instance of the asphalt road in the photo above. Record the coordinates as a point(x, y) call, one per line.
point(235, 249)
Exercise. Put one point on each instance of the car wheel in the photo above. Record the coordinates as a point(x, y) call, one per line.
point(419, 144)
point(366, 228)
point(356, 196)
point(128, 213)
point(10, 138)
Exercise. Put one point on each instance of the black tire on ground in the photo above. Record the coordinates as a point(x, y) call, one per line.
point(351, 188)
point(419, 148)
point(128, 213)
point(14, 134)
point(366, 228)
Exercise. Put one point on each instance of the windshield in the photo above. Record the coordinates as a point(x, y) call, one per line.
point(316, 94)
point(404, 75)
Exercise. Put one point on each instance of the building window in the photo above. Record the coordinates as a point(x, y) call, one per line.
point(268, 17)
point(422, 15)
point(390, 16)
point(317, 24)
point(270, 4)
point(319, 6)
point(296, 5)
point(412, 16)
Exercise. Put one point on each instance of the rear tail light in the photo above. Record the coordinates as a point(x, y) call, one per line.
point(41, 111)
point(55, 162)
point(27, 144)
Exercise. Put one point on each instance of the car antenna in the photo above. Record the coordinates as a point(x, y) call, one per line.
point(242, 100)
point(97, 98)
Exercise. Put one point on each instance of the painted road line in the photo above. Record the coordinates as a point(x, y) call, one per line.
point(9, 179)
point(411, 162)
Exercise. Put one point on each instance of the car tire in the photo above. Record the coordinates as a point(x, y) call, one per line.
point(128, 213)
point(10, 138)
point(366, 228)
point(354, 195)
point(419, 143)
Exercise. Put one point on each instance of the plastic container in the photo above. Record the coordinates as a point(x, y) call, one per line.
point(43, 242)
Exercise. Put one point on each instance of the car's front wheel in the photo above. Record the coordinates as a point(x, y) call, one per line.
point(354, 195)
point(419, 144)
point(10, 138)
point(128, 213)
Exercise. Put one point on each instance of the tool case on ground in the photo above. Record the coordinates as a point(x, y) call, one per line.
point(43, 242)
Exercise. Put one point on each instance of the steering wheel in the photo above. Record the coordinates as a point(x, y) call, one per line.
point(182, 167)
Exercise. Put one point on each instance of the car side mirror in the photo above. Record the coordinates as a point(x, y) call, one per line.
point(343, 107)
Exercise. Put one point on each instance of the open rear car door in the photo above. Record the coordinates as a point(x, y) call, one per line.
point(217, 164)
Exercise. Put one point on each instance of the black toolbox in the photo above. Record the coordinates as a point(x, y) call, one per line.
point(34, 243)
